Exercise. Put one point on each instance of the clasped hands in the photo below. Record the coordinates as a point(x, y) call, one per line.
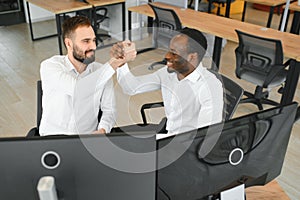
point(121, 53)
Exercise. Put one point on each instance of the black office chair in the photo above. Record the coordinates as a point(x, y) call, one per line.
point(166, 25)
point(260, 61)
point(232, 95)
point(35, 130)
point(297, 117)
point(100, 16)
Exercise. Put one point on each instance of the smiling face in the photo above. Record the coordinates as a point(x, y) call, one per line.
point(83, 44)
point(178, 58)
point(177, 55)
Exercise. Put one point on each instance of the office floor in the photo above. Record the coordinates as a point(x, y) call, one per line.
point(19, 70)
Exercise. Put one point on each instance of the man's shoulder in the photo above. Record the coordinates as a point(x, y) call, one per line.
point(213, 78)
point(55, 58)
point(163, 72)
point(56, 62)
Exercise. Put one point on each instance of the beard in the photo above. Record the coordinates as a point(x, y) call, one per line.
point(82, 56)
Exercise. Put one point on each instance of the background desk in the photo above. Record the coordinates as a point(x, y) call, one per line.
point(271, 3)
point(67, 6)
point(296, 19)
point(101, 3)
point(58, 8)
point(225, 28)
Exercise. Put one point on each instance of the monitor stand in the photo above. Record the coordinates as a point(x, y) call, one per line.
point(237, 193)
point(46, 188)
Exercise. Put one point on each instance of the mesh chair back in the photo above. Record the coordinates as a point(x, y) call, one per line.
point(165, 25)
point(39, 103)
point(233, 93)
point(257, 54)
point(35, 130)
point(232, 96)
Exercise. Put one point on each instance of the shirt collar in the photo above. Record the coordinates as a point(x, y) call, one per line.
point(70, 67)
point(196, 74)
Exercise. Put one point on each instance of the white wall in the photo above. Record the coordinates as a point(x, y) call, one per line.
point(37, 13)
point(115, 21)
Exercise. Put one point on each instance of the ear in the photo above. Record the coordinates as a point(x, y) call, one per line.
point(192, 57)
point(68, 43)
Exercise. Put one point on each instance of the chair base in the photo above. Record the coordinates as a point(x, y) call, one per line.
point(258, 100)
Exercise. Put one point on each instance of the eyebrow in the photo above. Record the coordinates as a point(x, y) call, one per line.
point(173, 50)
point(86, 39)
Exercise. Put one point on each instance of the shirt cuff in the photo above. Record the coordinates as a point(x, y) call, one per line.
point(121, 71)
point(110, 70)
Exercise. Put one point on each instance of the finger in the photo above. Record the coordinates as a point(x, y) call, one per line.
point(117, 51)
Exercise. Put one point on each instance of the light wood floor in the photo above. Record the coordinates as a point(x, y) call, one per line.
point(19, 70)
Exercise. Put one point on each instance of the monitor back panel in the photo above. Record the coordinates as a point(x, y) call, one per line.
point(204, 168)
point(81, 174)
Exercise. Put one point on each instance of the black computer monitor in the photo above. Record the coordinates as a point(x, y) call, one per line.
point(247, 150)
point(84, 168)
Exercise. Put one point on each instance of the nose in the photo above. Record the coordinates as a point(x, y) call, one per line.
point(168, 55)
point(168, 58)
point(93, 45)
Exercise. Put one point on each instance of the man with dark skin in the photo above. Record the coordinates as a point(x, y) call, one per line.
point(192, 96)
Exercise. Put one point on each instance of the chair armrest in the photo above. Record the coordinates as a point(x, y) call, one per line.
point(273, 73)
point(149, 106)
point(33, 132)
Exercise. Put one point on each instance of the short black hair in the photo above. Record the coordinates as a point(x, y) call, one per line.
point(197, 42)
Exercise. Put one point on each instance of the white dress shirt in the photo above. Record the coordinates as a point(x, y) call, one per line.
point(71, 101)
point(193, 102)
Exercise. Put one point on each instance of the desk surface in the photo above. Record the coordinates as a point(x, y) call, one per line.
point(104, 2)
point(225, 27)
point(61, 6)
point(271, 191)
point(294, 6)
point(268, 2)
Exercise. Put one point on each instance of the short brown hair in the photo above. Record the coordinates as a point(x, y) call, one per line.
point(71, 24)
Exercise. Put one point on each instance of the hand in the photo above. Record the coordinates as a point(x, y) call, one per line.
point(121, 53)
point(100, 131)
point(129, 51)
point(117, 50)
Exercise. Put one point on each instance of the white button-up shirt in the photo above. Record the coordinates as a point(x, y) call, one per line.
point(71, 101)
point(193, 102)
